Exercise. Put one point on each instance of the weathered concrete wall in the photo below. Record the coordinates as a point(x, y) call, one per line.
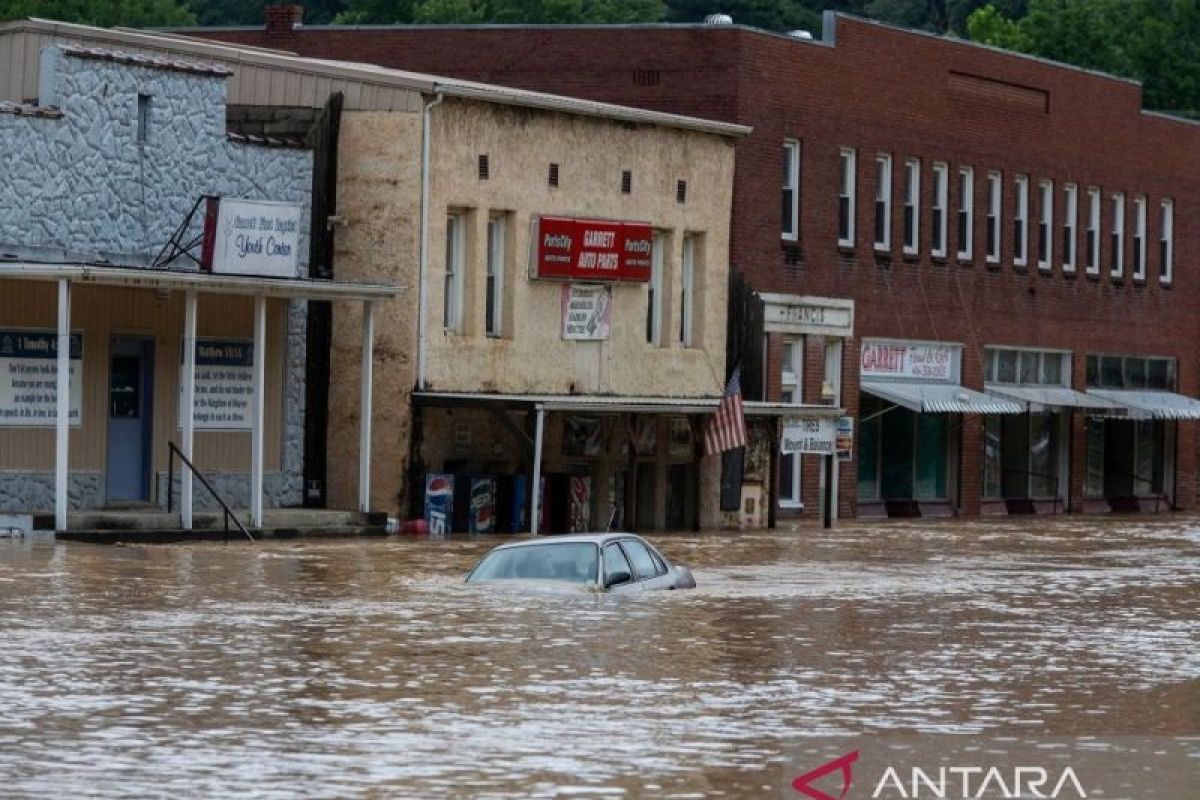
point(379, 189)
point(81, 186)
point(532, 356)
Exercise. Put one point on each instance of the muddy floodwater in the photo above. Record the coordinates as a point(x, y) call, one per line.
point(365, 668)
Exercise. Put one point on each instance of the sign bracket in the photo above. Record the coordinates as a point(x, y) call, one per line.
point(177, 246)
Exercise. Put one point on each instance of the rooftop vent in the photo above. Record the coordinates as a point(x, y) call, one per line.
point(799, 34)
point(718, 19)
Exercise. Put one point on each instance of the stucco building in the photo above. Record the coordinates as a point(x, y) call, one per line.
point(1014, 236)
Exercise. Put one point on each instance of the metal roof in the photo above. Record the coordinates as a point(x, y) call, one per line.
point(232, 56)
point(1152, 404)
point(620, 404)
point(142, 278)
point(940, 398)
point(1039, 398)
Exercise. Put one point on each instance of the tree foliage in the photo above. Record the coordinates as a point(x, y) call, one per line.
point(1154, 41)
point(103, 13)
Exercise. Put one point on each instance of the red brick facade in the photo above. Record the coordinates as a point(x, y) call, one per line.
point(881, 90)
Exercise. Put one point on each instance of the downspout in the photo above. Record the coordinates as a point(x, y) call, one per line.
point(423, 310)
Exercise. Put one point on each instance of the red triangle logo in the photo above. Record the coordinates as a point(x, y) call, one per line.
point(803, 784)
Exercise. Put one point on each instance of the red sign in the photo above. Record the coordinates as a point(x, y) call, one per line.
point(592, 250)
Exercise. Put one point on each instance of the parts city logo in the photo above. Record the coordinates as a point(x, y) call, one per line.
point(960, 781)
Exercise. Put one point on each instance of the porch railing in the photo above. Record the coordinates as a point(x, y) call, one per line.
point(176, 452)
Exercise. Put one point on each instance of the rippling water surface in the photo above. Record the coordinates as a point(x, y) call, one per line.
point(367, 669)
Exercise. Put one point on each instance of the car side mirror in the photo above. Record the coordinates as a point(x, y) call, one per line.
point(615, 579)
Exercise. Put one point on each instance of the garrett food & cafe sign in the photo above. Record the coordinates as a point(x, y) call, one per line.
point(588, 250)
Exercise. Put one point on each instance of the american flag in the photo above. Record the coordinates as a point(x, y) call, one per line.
point(727, 428)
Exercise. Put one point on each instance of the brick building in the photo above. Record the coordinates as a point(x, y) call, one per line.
point(1014, 235)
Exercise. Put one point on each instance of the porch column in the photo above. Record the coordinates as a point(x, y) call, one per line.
point(256, 422)
point(364, 423)
point(188, 415)
point(535, 492)
point(62, 425)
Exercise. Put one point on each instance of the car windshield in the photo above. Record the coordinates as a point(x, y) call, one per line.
point(574, 562)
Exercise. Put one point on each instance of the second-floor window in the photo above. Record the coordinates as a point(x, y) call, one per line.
point(1045, 224)
point(687, 292)
point(452, 288)
point(1166, 244)
point(1118, 235)
point(912, 205)
point(1092, 256)
point(1139, 238)
point(1021, 221)
point(995, 204)
point(966, 212)
point(941, 191)
point(494, 310)
point(846, 199)
point(654, 293)
point(883, 202)
point(1070, 220)
point(790, 226)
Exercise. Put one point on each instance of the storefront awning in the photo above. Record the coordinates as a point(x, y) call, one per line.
point(940, 398)
point(1150, 404)
point(1052, 398)
point(618, 404)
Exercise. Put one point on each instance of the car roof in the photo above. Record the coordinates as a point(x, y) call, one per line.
point(586, 538)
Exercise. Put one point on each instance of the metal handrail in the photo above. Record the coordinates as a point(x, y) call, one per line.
point(175, 451)
point(1032, 474)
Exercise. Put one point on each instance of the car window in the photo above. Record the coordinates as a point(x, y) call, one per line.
point(639, 556)
point(659, 564)
point(567, 561)
point(615, 561)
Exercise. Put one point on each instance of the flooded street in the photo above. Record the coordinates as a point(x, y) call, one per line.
point(367, 669)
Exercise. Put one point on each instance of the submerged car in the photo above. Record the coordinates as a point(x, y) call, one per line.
point(606, 562)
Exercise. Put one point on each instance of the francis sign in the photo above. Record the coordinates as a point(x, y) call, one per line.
point(29, 379)
point(224, 385)
point(591, 250)
point(251, 237)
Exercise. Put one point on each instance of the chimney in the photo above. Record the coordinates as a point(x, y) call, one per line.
point(282, 20)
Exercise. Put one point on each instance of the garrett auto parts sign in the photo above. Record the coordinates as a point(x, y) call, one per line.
point(565, 248)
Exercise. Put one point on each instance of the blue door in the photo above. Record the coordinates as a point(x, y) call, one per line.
point(130, 423)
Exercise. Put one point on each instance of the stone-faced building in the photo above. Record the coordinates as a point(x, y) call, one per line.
point(1014, 235)
point(109, 165)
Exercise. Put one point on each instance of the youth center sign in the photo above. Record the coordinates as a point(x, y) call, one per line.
point(29, 379)
point(224, 385)
point(251, 237)
point(569, 249)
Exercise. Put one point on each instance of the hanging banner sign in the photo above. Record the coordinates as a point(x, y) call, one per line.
point(591, 250)
point(845, 438)
point(899, 359)
point(224, 385)
point(251, 237)
point(809, 435)
point(29, 379)
point(586, 312)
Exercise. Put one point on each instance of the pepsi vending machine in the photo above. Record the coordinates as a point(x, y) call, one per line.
point(482, 517)
point(439, 504)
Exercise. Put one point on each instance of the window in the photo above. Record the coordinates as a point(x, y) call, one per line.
point(1166, 244)
point(143, 118)
point(452, 291)
point(1070, 220)
point(615, 561)
point(912, 205)
point(1045, 224)
point(1130, 372)
point(1021, 221)
point(1118, 235)
point(790, 375)
point(883, 202)
point(494, 315)
point(1139, 238)
point(941, 189)
point(1034, 367)
point(846, 199)
point(790, 226)
point(1092, 255)
point(639, 556)
point(966, 212)
point(995, 189)
point(655, 288)
point(687, 297)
